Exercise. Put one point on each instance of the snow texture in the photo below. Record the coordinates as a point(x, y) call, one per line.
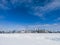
point(30, 39)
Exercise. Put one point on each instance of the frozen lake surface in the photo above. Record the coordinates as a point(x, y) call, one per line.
point(30, 39)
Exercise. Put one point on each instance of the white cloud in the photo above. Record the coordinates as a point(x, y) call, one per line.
point(40, 11)
point(36, 10)
point(30, 27)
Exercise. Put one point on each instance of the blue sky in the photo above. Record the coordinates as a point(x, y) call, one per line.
point(21, 13)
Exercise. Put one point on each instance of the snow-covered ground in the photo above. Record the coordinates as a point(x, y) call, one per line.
point(30, 39)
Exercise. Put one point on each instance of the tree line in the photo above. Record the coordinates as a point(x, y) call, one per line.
point(30, 31)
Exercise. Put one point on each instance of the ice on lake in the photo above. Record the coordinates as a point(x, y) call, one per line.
point(30, 39)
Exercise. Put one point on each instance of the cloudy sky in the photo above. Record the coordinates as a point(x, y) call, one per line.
point(19, 14)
